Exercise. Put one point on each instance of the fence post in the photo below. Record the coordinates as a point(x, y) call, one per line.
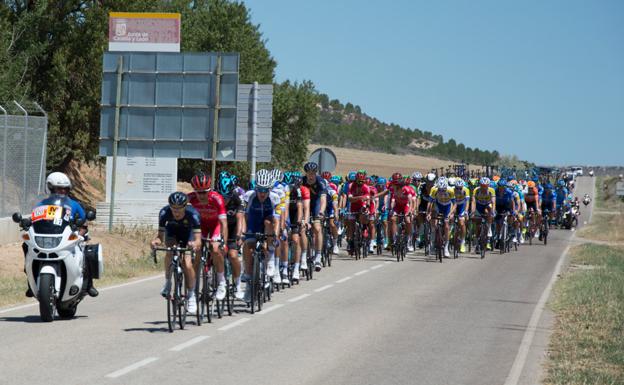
point(24, 192)
point(4, 156)
point(254, 131)
point(215, 130)
point(43, 149)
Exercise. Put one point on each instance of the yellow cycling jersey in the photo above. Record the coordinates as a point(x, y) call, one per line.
point(442, 197)
point(462, 196)
point(483, 197)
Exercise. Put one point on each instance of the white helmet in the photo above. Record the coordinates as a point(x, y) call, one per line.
point(57, 180)
point(264, 178)
point(452, 181)
point(431, 177)
point(442, 183)
point(417, 175)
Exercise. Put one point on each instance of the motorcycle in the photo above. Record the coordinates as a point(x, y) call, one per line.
point(570, 217)
point(58, 261)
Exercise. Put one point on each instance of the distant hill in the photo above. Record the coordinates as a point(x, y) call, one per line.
point(347, 126)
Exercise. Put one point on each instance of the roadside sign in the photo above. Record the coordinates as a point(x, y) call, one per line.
point(154, 32)
point(619, 189)
point(325, 158)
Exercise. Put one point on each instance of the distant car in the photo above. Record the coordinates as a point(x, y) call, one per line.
point(578, 171)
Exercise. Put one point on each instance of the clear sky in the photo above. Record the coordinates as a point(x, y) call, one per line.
point(542, 79)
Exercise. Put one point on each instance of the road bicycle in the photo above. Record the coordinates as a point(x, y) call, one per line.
point(178, 298)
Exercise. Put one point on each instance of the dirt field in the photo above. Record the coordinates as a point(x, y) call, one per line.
point(381, 163)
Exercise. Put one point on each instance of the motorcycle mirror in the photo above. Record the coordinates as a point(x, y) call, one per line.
point(25, 222)
point(90, 215)
point(17, 217)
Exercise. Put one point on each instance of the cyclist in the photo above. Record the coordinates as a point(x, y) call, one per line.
point(521, 209)
point(483, 202)
point(262, 217)
point(281, 255)
point(331, 213)
point(294, 218)
point(401, 201)
point(305, 196)
point(532, 201)
point(359, 198)
point(548, 199)
point(179, 224)
point(318, 202)
point(423, 202)
point(235, 211)
point(443, 199)
point(462, 201)
point(213, 220)
point(562, 193)
point(505, 205)
point(382, 208)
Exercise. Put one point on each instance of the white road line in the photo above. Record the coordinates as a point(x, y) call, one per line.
point(345, 279)
point(320, 289)
point(362, 272)
point(270, 308)
point(388, 262)
point(132, 367)
point(185, 345)
point(132, 283)
point(376, 267)
point(18, 307)
point(234, 324)
point(302, 296)
point(527, 339)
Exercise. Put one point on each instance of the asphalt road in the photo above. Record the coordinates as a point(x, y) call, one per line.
point(372, 321)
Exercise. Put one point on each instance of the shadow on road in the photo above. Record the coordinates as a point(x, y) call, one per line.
point(153, 329)
point(36, 319)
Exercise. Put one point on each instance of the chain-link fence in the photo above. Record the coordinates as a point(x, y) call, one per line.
point(23, 140)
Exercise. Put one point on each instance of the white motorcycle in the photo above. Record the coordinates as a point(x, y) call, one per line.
point(58, 261)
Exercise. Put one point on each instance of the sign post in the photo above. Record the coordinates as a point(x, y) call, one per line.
point(619, 189)
point(325, 158)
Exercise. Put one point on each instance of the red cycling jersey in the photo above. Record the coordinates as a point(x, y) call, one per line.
point(356, 190)
point(210, 213)
point(305, 193)
point(373, 192)
point(402, 198)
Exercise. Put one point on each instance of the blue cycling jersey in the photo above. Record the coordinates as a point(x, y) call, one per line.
point(562, 194)
point(71, 206)
point(257, 212)
point(181, 230)
point(503, 199)
point(548, 196)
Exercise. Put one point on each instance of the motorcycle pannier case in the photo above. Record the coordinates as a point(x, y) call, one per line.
point(93, 260)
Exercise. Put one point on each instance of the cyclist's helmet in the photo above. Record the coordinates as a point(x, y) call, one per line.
point(326, 175)
point(310, 166)
point(485, 181)
point(442, 183)
point(430, 177)
point(201, 182)
point(277, 175)
point(416, 176)
point(561, 183)
point(178, 199)
point(252, 185)
point(288, 177)
point(351, 176)
point(452, 181)
point(264, 179)
point(531, 184)
point(335, 179)
point(225, 186)
point(502, 183)
point(224, 174)
point(460, 183)
point(548, 186)
point(495, 178)
point(234, 179)
point(397, 178)
point(381, 181)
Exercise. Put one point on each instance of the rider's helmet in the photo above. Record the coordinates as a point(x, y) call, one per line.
point(396, 178)
point(484, 181)
point(58, 180)
point(407, 180)
point(310, 166)
point(178, 199)
point(502, 183)
point(234, 179)
point(496, 178)
point(430, 177)
point(201, 181)
point(381, 181)
point(548, 186)
point(531, 184)
point(326, 175)
point(460, 183)
point(335, 179)
point(442, 183)
point(264, 179)
point(223, 174)
point(277, 175)
point(451, 181)
point(288, 177)
point(561, 183)
point(225, 186)
point(416, 176)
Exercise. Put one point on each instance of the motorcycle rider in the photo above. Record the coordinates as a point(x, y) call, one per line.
point(59, 186)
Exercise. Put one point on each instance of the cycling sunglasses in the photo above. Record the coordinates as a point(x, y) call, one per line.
point(262, 189)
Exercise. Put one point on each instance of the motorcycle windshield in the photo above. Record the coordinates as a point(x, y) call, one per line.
point(50, 219)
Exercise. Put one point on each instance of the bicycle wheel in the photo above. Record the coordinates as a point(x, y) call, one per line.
point(181, 299)
point(214, 283)
point(256, 284)
point(172, 311)
point(198, 300)
point(205, 294)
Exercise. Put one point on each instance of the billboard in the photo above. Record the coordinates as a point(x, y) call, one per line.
point(155, 32)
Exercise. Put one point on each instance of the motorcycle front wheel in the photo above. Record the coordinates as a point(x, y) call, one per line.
point(47, 302)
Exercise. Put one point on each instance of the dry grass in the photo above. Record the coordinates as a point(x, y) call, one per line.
point(607, 227)
point(587, 345)
point(381, 163)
